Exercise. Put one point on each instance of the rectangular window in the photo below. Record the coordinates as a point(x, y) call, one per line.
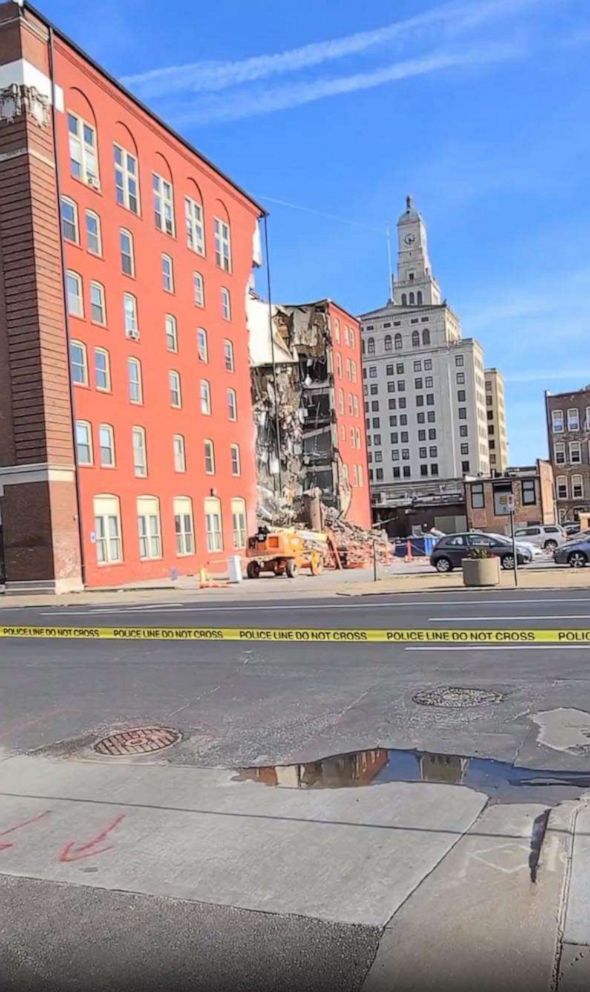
point(424, 470)
point(418, 383)
point(235, 459)
point(390, 387)
point(561, 486)
point(393, 421)
point(83, 442)
point(183, 526)
point(573, 419)
point(405, 455)
point(460, 395)
point(102, 370)
point(402, 403)
point(171, 332)
point(428, 365)
point(577, 487)
point(429, 399)
point(179, 453)
point(559, 449)
point(126, 179)
point(232, 405)
point(379, 474)
point(464, 449)
point(97, 304)
point(420, 418)
point(163, 204)
point(460, 378)
point(428, 382)
point(465, 466)
point(459, 361)
point(434, 469)
point(462, 413)
point(228, 355)
point(167, 274)
point(419, 401)
point(134, 380)
point(225, 303)
point(213, 524)
point(148, 526)
point(401, 386)
point(373, 372)
point(557, 421)
point(431, 434)
point(82, 144)
point(431, 417)
point(205, 394)
point(139, 452)
point(418, 367)
point(195, 236)
point(107, 445)
point(130, 316)
point(209, 458)
point(222, 244)
point(107, 530)
point(126, 251)
point(69, 220)
point(376, 422)
point(198, 289)
point(422, 452)
point(374, 389)
point(238, 512)
point(477, 495)
point(389, 370)
point(174, 389)
point(378, 456)
point(202, 349)
point(93, 235)
point(575, 453)
point(78, 363)
point(399, 368)
point(74, 294)
point(529, 492)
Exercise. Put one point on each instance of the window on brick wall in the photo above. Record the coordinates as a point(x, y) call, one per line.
point(126, 179)
point(163, 204)
point(83, 153)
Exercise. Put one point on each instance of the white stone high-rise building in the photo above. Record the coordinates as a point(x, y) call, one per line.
point(423, 382)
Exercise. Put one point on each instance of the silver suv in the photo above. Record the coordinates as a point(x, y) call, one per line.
point(547, 536)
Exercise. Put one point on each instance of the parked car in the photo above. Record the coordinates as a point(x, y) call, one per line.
point(547, 536)
point(574, 553)
point(571, 529)
point(535, 551)
point(450, 551)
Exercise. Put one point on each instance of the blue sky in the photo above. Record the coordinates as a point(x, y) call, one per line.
point(477, 107)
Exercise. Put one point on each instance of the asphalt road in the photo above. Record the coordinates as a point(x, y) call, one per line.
point(242, 703)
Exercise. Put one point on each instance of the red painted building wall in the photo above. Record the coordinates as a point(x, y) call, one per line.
point(117, 119)
point(350, 411)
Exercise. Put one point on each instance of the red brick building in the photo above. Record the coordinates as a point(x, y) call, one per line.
point(124, 249)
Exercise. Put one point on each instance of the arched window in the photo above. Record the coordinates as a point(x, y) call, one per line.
point(371, 346)
point(415, 339)
point(404, 300)
point(425, 336)
point(398, 342)
point(419, 297)
point(388, 342)
point(411, 299)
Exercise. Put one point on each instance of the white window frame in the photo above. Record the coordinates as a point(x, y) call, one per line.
point(235, 459)
point(199, 289)
point(139, 447)
point(163, 192)
point(106, 370)
point(179, 452)
point(126, 251)
point(126, 177)
point(239, 522)
point(171, 331)
point(205, 397)
point(135, 382)
point(86, 157)
point(75, 301)
point(82, 365)
point(167, 265)
point(561, 482)
point(213, 524)
point(107, 530)
point(105, 431)
point(91, 215)
point(209, 462)
point(228, 356)
point(195, 228)
point(84, 425)
point(130, 315)
point(575, 448)
point(97, 294)
point(557, 422)
point(202, 345)
point(149, 528)
point(184, 526)
point(232, 404)
point(573, 419)
point(222, 232)
point(175, 389)
point(225, 303)
point(65, 201)
point(577, 481)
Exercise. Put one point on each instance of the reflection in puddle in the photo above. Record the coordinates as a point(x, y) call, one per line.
point(501, 781)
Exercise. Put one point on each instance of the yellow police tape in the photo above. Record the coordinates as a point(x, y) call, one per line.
point(493, 636)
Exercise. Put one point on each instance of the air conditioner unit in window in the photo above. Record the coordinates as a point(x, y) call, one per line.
point(133, 334)
point(93, 181)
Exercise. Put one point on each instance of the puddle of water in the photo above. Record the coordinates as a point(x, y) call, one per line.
point(501, 781)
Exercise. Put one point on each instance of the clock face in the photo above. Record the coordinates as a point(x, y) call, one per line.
point(409, 239)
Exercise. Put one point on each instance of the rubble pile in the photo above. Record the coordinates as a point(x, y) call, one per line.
point(355, 544)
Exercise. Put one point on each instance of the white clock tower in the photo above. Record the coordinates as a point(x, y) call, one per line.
point(414, 284)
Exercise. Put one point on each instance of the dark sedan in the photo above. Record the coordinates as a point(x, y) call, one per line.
point(450, 551)
point(574, 553)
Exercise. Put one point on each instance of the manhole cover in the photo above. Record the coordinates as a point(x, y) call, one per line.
point(138, 740)
point(456, 696)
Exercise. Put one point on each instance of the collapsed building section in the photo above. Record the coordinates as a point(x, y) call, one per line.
point(309, 424)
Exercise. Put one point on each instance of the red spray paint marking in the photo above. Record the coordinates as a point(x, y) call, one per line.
point(70, 852)
point(18, 826)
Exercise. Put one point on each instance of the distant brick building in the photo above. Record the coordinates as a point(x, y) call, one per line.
point(568, 434)
point(531, 488)
point(126, 432)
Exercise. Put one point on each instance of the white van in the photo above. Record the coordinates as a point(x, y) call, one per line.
point(547, 536)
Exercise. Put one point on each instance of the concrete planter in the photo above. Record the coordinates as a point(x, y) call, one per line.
point(481, 571)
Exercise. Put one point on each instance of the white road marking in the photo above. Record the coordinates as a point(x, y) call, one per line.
point(530, 616)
